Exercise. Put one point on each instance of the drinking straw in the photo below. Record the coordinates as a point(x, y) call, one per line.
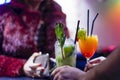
point(76, 31)
point(88, 22)
point(93, 23)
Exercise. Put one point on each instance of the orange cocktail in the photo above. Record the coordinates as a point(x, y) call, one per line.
point(88, 45)
point(88, 42)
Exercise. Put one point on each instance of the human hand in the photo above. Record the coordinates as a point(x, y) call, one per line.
point(67, 73)
point(92, 63)
point(30, 67)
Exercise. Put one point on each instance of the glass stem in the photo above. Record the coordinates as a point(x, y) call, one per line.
point(87, 60)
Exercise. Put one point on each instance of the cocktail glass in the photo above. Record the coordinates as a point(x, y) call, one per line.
point(88, 46)
point(67, 54)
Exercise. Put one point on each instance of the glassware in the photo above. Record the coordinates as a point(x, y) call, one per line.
point(67, 54)
point(43, 59)
point(88, 46)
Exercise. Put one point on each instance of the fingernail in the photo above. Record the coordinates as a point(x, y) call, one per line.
point(40, 53)
point(96, 61)
point(40, 65)
point(42, 69)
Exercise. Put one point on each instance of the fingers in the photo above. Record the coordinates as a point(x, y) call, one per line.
point(58, 69)
point(35, 54)
point(55, 71)
point(56, 77)
point(35, 65)
point(92, 63)
point(33, 74)
point(30, 67)
point(58, 72)
point(40, 69)
point(31, 59)
point(36, 75)
point(88, 67)
point(97, 60)
point(35, 71)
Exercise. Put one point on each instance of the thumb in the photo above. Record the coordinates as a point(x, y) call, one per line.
point(88, 67)
point(35, 54)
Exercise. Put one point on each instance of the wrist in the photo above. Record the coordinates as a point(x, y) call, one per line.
point(83, 76)
point(94, 75)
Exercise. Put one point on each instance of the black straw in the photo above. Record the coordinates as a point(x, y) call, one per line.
point(76, 31)
point(88, 22)
point(93, 23)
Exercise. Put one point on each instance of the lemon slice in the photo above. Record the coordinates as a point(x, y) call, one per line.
point(68, 50)
point(81, 34)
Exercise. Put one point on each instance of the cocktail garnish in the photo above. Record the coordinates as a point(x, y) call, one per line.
point(82, 34)
point(60, 35)
point(68, 50)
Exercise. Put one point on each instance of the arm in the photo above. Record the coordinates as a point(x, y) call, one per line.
point(9, 66)
point(108, 69)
